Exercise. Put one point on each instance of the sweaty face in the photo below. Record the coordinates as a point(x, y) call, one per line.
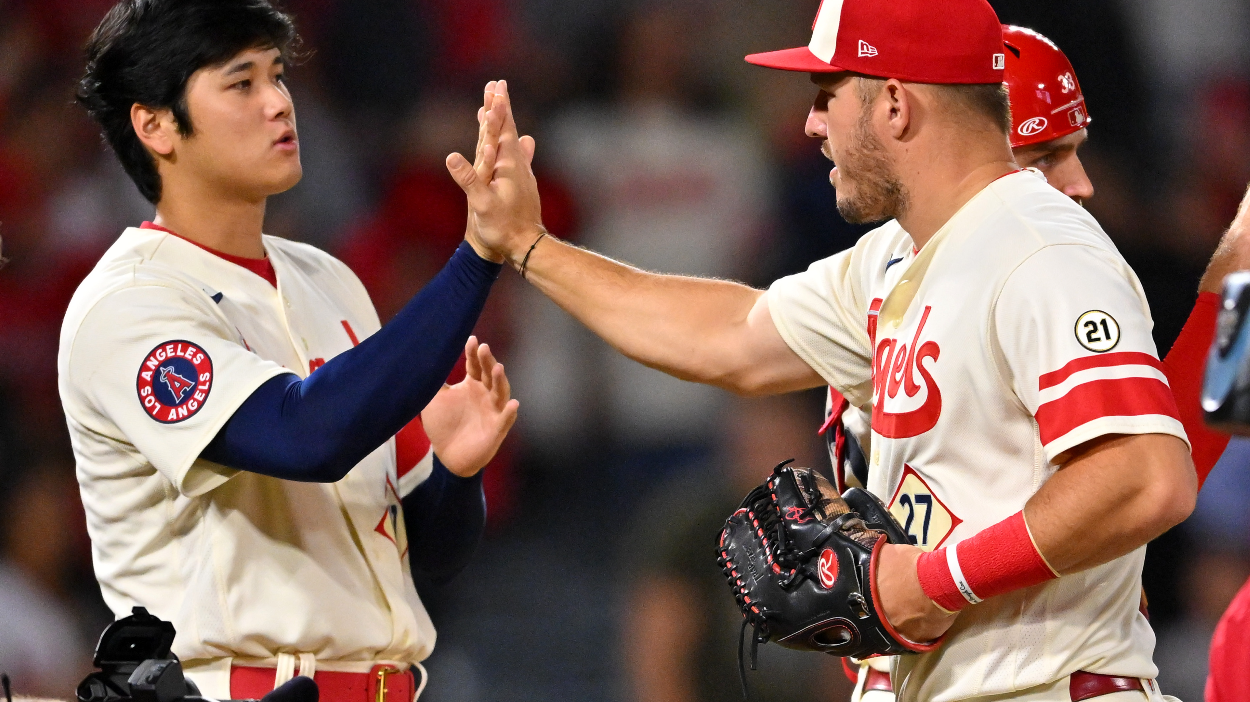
point(864, 176)
point(243, 121)
point(1057, 159)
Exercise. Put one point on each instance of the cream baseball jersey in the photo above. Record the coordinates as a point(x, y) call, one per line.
point(161, 344)
point(1015, 335)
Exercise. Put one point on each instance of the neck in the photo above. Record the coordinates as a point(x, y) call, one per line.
point(225, 223)
point(939, 184)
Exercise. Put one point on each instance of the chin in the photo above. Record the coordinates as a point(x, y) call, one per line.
point(285, 181)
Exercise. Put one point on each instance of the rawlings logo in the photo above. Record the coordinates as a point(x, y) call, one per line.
point(895, 366)
point(1033, 126)
point(827, 569)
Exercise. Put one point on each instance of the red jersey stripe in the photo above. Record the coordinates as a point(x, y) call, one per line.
point(1111, 397)
point(411, 446)
point(1120, 358)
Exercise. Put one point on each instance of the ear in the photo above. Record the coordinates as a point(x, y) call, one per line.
point(156, 129)
point(900, 102)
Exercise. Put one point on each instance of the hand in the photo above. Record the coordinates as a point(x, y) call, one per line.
point(505, 215)
point(1233, 253)
point(906, 607)
point(467, 422)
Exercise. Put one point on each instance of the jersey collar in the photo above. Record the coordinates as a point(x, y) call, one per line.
point(260, 266)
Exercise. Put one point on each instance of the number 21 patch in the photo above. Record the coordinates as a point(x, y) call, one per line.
point(1097, 331)
point(174, 381)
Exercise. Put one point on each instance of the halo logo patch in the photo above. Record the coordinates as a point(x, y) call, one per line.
point(174, 381)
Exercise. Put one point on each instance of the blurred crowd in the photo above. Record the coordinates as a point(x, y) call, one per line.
point(658, 145)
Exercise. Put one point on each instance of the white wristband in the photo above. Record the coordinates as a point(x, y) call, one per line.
point(952, 562)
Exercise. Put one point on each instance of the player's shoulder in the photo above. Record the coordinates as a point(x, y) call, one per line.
point(131, 262)
point(128, 277)
point(1033, 215)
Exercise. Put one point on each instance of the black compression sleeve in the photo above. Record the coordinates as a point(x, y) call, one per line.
point(445, 517)
point(317, 428)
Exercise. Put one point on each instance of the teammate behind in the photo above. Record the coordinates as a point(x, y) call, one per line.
point(1048, 451)
point(232, 399)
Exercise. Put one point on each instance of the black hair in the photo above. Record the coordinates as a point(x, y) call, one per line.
point(145, 51)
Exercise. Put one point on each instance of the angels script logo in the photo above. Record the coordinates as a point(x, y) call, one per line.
point(894, 367)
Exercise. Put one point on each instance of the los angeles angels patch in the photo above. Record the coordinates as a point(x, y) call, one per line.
point(174, 381)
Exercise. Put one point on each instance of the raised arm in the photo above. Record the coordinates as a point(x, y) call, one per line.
point(708, 331)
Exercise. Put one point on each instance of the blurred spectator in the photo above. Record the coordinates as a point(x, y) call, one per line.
point(334, 191)
point(1216, 566)
point(45, 645)
point(1183, 44)
point(680, 634)
point(667, 185)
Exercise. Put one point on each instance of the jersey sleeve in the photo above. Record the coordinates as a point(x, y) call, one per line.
point(823, 318)
point(1074, 332)
point(160, 368)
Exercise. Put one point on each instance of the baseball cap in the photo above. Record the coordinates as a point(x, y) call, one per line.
point(1046, 98)
point(921, 41)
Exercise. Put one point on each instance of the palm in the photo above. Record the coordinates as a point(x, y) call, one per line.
point(468, 421)
point(505, 211)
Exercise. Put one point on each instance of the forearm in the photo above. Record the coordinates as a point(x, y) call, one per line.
point(317, 428)
point(445, 517)
point(698, 329)
point(1112, 499)
point(1233, 253)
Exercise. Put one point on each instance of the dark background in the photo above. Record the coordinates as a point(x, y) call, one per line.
point(656, 143)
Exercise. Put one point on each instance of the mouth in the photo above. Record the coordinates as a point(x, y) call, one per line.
point(288, 140)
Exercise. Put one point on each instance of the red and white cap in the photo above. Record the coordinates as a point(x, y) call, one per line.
point(1046, 98)
point(921, 41)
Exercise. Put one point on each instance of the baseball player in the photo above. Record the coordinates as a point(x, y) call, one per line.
point(1049, 127)
point(232, 399)
point(1020, 415)
point(1230, 646)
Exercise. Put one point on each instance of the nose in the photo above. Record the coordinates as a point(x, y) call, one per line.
point(1079, 187)
point(279, 104)
point(816, 127)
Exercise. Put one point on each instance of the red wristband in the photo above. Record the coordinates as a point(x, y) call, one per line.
point(1000, 559)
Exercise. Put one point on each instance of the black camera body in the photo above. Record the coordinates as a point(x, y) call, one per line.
point(137, 664)
point(1226, 385)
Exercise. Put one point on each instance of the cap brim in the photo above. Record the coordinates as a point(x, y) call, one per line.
point(798, 59)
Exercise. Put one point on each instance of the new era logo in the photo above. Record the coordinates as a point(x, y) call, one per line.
point(866, 49)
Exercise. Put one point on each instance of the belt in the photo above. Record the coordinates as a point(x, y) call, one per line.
point(1082, 685)
point(383, 683)
point(878, 680)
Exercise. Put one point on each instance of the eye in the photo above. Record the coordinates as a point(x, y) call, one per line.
point(281, 78)
point(243, 84)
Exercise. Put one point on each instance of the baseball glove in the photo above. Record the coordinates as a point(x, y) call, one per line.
point(801, 561)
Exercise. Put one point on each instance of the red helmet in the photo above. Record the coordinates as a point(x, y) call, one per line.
point(1046, 99)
